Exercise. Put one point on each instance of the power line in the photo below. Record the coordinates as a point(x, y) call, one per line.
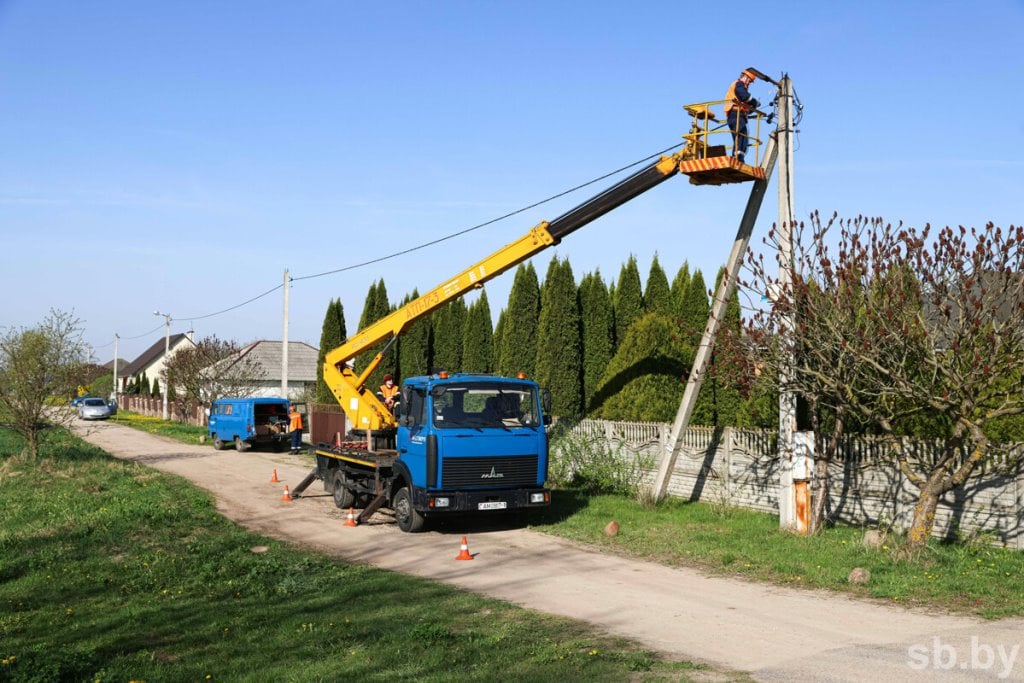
point(485, 223)
point(424, 245)
point(192, 318)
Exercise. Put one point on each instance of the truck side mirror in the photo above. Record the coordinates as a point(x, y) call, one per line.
point(545, 401)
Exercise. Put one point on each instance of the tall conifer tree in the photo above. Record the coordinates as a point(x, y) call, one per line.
point(695, 309)
point(414, 349)
point(657, 296)
point(597, 330)
point(679, 286)
point(629, 302)
point(519, 338)
point(559, 357)
point(478, 337)
point(332, 334)
point(449, 321)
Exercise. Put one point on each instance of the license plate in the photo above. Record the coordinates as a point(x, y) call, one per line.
point(494, 505)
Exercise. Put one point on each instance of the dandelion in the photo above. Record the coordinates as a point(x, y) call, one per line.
point(592, 653)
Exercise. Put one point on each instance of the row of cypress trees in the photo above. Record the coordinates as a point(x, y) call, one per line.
point(616, 351)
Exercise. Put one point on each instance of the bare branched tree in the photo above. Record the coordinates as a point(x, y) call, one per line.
point(906, 331)
point(209, 370)
point(40, 367)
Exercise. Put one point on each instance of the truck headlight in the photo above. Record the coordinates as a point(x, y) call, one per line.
point(441, 502)
point(538, 497)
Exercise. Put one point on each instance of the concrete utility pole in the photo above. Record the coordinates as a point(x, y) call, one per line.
point(115, 365)
point(794, 465)
point(284, 340)
point(167, 357)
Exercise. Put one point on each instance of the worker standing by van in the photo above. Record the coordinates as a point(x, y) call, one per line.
point(738, 102)
point(295, 428)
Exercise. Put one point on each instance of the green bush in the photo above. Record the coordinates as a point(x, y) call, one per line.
point(594, 466)
point(644, 380)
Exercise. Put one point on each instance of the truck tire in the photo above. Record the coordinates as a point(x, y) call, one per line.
point(343, 497)
point(408, 519)
point(218, 443)
point(240, 445)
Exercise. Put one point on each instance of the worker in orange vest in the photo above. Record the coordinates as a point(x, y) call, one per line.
point(389, 392)
point(738, 102)
point(295, 428)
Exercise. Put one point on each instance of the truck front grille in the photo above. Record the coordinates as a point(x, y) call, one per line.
point(503, 471)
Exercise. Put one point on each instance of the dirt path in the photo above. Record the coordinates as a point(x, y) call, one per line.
point(776, 634)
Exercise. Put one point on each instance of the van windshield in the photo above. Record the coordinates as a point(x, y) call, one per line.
point(480, 405)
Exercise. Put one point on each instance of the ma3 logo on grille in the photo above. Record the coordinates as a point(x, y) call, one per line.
point(493, 474)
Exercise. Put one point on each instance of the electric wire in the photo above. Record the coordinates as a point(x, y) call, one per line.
point(485, 223)
point(424, 245)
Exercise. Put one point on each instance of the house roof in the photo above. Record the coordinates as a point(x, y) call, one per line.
point(302, 359)
point(150, 355)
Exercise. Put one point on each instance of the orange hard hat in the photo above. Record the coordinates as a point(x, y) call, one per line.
point(749, 74)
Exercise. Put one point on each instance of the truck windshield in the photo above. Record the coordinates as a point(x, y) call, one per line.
point(483, 405)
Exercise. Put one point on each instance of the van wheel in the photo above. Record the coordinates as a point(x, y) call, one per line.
point(343, 497)
point(241, 446)
point(408, 519)
point(218, 443)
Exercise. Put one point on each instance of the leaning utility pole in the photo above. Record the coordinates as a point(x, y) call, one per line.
point(707, 342)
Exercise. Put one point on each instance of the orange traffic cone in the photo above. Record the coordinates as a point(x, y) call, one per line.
point(351, 521)
point(286, 496)
point(274, 479)
point(464, 552)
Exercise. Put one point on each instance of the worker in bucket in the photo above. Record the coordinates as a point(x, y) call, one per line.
point(295, 428)
point(389, 393)
point(738, 103)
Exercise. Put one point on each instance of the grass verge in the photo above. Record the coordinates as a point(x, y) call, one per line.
point(154, 425)
point(110, 571)
point(967, 578)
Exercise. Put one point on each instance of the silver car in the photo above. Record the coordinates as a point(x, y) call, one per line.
point(94, 409)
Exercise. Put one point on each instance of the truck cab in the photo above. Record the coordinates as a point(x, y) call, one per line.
point(471, 443)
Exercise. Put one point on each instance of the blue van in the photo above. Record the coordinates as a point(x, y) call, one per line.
point(248, 422)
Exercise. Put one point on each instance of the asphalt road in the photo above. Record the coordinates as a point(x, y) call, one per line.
point(773, 633)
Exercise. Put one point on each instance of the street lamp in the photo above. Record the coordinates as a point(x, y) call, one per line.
point(167, 352)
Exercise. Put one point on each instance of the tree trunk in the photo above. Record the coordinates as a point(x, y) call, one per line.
point(824, 453)
point(924, 514)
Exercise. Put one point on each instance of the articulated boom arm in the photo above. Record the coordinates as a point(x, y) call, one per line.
point(361, 406)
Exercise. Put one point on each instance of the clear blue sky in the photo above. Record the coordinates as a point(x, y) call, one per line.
point(180, 155)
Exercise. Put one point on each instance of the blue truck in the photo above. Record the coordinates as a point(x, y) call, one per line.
point(464, 443)
point(248, 422)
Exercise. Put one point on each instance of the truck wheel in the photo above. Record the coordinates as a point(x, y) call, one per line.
point(408, 519)
point(218, 443)
point(241, 446)
point(343, 498)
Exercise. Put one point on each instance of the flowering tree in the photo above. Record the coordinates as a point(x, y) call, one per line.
point(904, 330)
point(39, 366)
point(209, 370)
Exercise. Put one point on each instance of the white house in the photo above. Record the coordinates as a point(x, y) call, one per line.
point(152, 360)
point(302, 367)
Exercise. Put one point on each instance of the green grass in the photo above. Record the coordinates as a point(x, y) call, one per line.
point(110, 571)
point(966, 578)
point(154, 425)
